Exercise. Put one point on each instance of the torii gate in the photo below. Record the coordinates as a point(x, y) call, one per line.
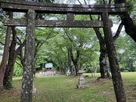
point(32, 8)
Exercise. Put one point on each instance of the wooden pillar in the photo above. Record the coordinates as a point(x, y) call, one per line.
point(27, 82)
point(114, 65)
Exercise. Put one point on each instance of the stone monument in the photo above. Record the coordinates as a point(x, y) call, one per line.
point(81, 80)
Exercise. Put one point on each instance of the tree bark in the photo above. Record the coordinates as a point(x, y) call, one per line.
point(13, 52)
point(27, 82)
point(116, 76)
point(103, 62)
point(5, 57)
point(69, 61)
point(104, 70)
point(75, 60)
point(11, 62)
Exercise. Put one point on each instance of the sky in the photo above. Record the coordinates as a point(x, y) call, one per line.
point(115, 27)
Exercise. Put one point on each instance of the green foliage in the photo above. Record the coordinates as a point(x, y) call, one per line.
point(42, 37)
point(82, 17)
point(132, 9)
point(126, 53)
point(56, 41)
point(87, 70)
point(18, 70)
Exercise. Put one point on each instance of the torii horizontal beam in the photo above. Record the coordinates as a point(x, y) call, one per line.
point(56, 23)
point(15, 5)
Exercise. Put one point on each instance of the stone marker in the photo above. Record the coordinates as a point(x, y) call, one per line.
point(81, 80)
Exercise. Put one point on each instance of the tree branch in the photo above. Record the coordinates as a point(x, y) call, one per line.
point(2, 43)
point(118, 31)
point(79, 2)
point(68, 35)
point(19, 48)
point(19, 64)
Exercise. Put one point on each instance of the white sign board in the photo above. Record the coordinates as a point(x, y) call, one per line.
point(48, 65)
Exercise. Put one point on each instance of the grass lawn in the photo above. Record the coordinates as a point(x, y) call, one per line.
point(63, 89)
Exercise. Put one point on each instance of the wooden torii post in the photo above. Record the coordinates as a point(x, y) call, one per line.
point(32, 8)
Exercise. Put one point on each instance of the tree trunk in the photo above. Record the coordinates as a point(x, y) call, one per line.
point(5, 57)
point(69, 61)
point(75, 60)
point(12, 57)
point(11, 62)
point(10, 67)
point(104, 70)
point(76, 68)
point(27, 82)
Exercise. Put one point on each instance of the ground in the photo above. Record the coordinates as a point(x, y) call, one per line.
point(63, 89)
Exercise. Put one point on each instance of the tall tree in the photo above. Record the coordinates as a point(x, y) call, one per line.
point(104, 67)
point(104, 70)
point(13, 52)
point(11, 61)
point(78, 40)
point(5, 55)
